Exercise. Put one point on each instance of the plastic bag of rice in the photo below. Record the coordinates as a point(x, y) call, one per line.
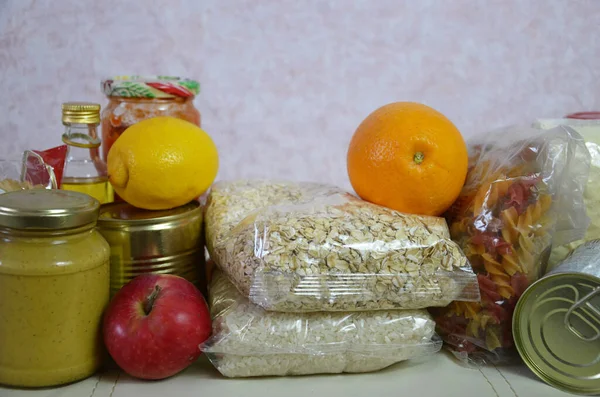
point(304, 247)
point(249, 341)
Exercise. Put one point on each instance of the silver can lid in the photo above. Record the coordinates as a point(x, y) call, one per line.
point(556, 327)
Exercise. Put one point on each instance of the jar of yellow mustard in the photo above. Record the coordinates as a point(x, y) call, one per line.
point(54, 287)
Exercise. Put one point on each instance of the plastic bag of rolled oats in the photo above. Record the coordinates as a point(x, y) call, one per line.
point(249, 341)
point(304, 247)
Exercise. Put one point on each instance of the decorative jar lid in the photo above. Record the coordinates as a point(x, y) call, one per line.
point(160, 87)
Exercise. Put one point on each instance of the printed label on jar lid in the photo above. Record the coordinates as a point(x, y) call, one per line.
point(150, 87)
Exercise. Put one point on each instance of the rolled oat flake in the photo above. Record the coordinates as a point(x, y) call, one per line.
point(556, 324)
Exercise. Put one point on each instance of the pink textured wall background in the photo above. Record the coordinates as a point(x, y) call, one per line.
point(285, 82)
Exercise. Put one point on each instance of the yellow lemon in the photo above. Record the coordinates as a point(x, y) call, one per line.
point(162, 163)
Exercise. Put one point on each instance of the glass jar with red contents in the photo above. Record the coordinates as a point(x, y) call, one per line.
point(136, 98)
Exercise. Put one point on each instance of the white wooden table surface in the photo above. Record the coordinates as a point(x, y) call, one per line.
point(438, 375)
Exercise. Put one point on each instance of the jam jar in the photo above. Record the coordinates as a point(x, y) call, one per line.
point(136, 98)
point(54, 287)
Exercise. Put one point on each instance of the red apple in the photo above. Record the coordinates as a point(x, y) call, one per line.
point(154, 324)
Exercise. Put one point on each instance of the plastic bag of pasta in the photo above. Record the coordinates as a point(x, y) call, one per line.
point(304, 247)
point(523, 194)
point(249, 341)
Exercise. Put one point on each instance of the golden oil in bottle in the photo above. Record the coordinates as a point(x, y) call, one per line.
point(97, 187)
point(85, 171)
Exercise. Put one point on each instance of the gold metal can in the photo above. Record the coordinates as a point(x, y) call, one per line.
point(556, 324)
point(141, 241)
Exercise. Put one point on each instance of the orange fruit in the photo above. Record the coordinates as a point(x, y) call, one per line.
point(408, 157)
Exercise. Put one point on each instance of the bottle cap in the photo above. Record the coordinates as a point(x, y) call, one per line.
point(80, 113)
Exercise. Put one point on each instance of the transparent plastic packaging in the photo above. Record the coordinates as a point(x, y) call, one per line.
point(589, 129)
point(249, 341)
point(35, 170)
point(524, 193)
point(303, 247)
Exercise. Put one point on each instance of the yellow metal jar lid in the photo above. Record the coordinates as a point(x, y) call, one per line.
point(47, 209)
point(80, 113)
point(557, 339)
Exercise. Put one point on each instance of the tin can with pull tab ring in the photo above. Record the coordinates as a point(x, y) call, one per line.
point(556, 324)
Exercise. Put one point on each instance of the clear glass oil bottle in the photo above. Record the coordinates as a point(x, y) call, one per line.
point(85, 171)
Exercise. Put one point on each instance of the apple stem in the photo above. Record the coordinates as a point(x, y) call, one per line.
point(151, 299)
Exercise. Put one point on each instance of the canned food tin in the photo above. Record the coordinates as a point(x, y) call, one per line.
point(556, 324)
point(142, 241)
